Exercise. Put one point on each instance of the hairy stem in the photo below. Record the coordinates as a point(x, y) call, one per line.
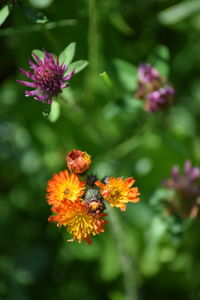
point(125, 259)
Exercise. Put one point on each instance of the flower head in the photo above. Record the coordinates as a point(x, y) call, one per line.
point(160, 99)
point(153, 89)
point(78, 161)
point(118, 192)
point(48, 78)
point(77, 219)
point(186, 187)
point(149, 79)
point(64, 186)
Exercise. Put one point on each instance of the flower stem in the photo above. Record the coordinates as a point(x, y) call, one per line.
point(126, 261)
point(93, 38)
point(93, 53)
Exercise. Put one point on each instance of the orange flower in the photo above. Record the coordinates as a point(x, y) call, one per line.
point(64, 186)
point(78, 161)
point(118, 192)
point(77, 220)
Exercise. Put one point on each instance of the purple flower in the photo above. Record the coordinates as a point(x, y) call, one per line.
point(192, 173)
point(186, 186)
point(160, 99)
point(152, 89)
point(48, 78)
point(147, 74)
point(149, 79)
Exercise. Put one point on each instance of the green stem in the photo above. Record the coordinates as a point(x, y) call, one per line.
point(126, 262)
point(93, 52)
point(93, 44)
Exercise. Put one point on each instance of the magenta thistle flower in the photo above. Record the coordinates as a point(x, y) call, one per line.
point(160, 99)
point(186, 186)
point(48, 78)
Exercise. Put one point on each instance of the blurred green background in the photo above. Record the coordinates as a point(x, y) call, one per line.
point(36, 261)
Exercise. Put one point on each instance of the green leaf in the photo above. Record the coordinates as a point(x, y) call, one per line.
point(55, 112)
point(39, 53)
point(119, 22)
point(32, 14)
point(41, 4)
point(46, 109)
point(67, 55)
point(4, 13)
point(106, 79)
point(78, 66)
point(179, 12)
point(37, 27)
point(126, 74)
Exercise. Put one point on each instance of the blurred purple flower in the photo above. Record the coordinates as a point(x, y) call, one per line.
point(147, 74)
point(48, 78)
point(149, 80)
point(152, 88)
point(160, 99)
point(187, 190)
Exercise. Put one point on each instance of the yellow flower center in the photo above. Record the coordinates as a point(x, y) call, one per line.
point(70, 192)
point(81, 226)
point(66, 192)
point(116, 194)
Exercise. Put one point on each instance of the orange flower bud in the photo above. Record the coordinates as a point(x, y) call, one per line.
point(78, 161)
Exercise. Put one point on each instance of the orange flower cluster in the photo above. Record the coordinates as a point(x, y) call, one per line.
point(78, 205)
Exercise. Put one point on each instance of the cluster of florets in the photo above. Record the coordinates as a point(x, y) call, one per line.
point(186, 187)
point(48, 78)
point(78, 199)
point(152, 89)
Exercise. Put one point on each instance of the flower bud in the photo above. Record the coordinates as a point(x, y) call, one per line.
point(78, 161)
point(95, 206)
point(91, 179)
